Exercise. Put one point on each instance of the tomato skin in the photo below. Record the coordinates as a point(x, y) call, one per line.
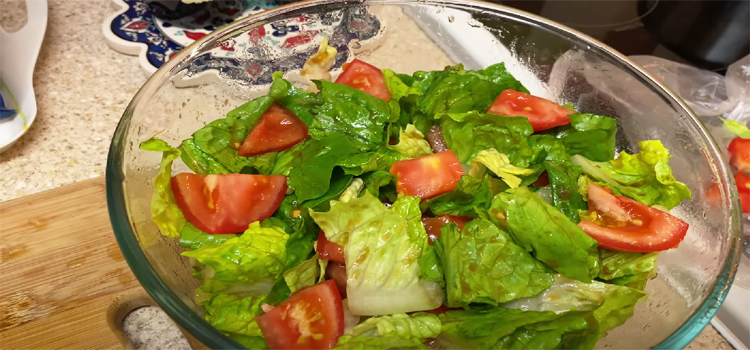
point(337, 273)
point(289, 325)
point(278, 129)
point(541, 181)
point(646, 229)
point(365, 77)
point(433, 224)
point(542, 113)
point(328, 250)
point(227, 203)
point(428, 176)
point(739, 150)
point(743, 188)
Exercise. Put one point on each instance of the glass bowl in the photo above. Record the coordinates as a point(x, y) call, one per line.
point(234, 64)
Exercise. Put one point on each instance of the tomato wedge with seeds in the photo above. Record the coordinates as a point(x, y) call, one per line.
point(428, 176)
point(365, 77)
point(433, 224)
point(227, 203)
point(311, 318)
point(739, 150)
point(542, 113)
point(278, 129)
point(328, 250)
point(620, 223)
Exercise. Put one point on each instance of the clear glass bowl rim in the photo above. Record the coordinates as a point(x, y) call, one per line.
point(208, 335)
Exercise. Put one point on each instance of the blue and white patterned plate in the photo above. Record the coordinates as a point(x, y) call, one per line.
point(253, 57)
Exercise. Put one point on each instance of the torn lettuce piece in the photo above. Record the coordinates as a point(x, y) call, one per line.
point(352, 191)
point(317, 66)
point(430, 268)
point(736, 128)
point(309, 272)
point(644, 176)
point(382, 247)
point(483, 329)
point(349, 112)
point(301, 102)
point(380, 159)
point(590, 135)
point(311, 170)
point(565, 295)
point(483, 265)
point(500, 165)
point(411, 143)
point(466, 134)
point(419, 325)
point(199, 161)
point(164, 210)
point(194, 238)
point(250, 262)
point(375, 180)
point(234, 314)
point(563, 180)
point(628, 268)
point(457, 90)
point(470, 196)
point(401, 94)
point(540, 228)
point(363, 342)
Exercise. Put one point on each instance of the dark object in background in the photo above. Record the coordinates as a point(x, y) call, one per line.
point(704, 33)
point(174, 9)
point(709, 34)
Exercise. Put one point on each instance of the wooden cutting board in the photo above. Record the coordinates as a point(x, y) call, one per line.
point(64, 284)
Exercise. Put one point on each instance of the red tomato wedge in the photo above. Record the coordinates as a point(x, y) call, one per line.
point(542, 114)
point(433, 224)
point(337, 273)
point(312, 318)
point(328, 250)
point(428, 176)
point(365, 77)
point(626, 225)
point(541, 181)
point(743, 188)
point(227, 203)
point(278, 129)
point(739, 149)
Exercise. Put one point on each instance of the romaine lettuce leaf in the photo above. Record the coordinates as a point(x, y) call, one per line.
point(363, 342)
point(563, 180)
point(457, 91)
point(565, 295)
point(500, 75)
point(401, 94)
point(471, 194)
point(736, 128)
point(255, 258)
point(469, 133)
point(644, 176)
point(430, 268)
point(500, 165)
point(382, 247)
point(411, 143)
point(346, 111)
point(193, 238)
point(234, 314)
point(164, 210)
point(628, 268)
point(309, 272)
point(542, 229)
point(310, 175)
point(419, 325)
point(483, 265)
point(483, 329)
point(375, 180)
point(380, 159)
point(198, 161)
point(590, 135)
point(301, 102)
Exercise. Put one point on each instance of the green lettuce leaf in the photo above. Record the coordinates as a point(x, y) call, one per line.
point(252, 260)
point(310, 175)
point(380, 159)
point(483, 265)
point(164, 210)
point(221, 138)
point(563, 180)
point(539, 227)
point(383, 246)
point(565, 295)
point(301, 102)
point(471, 194)
point(375, 180)
point(628, 268)
point(198, 161)
point(430, 268)
point(500, 75)
point(419, 325)
point(309, 272)
point(457, 91)
point(736, 128)
point(194, 238)
point(466, 134)
point(401, 94)
point(346, 111)
point(590, 135)
point(411, 143)
point(363, 342)
point(483, 329)
point(500, 165)
point(644, 176)
point(234, 314)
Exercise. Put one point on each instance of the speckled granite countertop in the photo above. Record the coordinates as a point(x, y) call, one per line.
point(82, 88)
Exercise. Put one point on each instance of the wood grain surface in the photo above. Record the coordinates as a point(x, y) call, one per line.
point(64, 284)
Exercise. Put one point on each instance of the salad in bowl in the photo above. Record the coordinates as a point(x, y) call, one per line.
point(442, 209)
